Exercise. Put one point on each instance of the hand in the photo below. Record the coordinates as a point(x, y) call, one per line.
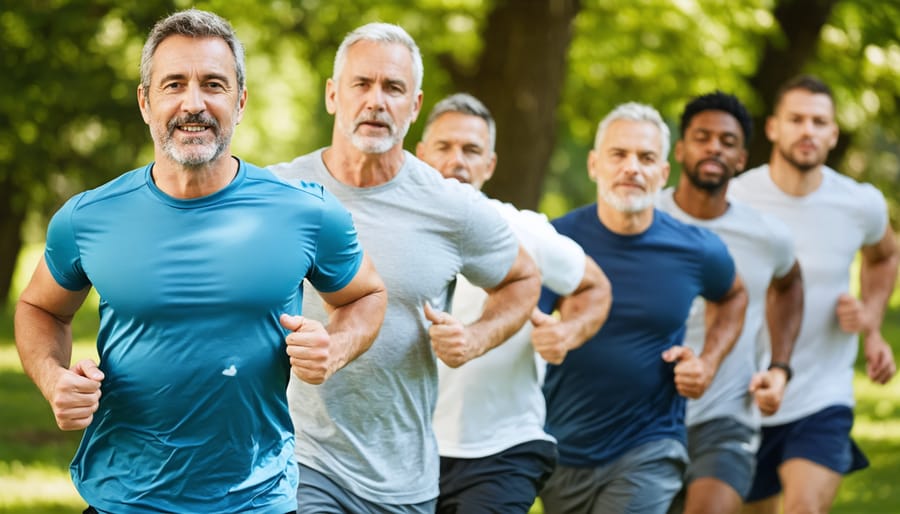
point(692, 374)
point(852, 315)
point(880, 365)
point(309, 348)
point(449, 338)
point(76, 395)
point(549, 337)
point(767, 388)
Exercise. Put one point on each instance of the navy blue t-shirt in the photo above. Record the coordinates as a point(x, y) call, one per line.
point(615, 392)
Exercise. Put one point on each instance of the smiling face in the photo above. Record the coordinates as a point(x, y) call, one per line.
point(712, 150)
point(193, 102)
point(374, 100)
point(628, 166)
point(459, 146)
point(802, 129)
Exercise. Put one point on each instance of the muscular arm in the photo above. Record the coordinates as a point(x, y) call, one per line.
point(43, 336)
point(724, 320)
point(582, 313)
point(506, 309)
point(356, 313)
point(784, 315)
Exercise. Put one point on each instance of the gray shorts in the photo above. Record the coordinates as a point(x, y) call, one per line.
point(721, 448)
point(642, 481)
point(318, 494)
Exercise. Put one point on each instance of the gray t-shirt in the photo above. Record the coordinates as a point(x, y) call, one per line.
point(369, 427)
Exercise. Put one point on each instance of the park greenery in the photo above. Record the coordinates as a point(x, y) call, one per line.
point(548, 69)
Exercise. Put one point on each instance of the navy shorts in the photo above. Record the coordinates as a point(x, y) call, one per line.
point(822, 437)
point(504, 483)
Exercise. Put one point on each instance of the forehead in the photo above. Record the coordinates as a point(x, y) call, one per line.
point(372, 59)
point(641, 136)
point(459, 126)
point(183, 55)
point(716, 122)
point(801, 101)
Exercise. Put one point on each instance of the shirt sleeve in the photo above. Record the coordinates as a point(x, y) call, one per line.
point(62, 255)
point(560, 260)
point(718, 267)
point(488, 246)
point(782, 242)
point(338, 252)
point(875, 214)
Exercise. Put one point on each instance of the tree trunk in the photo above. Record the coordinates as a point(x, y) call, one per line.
point(520, 76)
point(11, 218)
point(801, 23)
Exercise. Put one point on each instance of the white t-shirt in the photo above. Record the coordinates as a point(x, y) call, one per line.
point(495, 402)
point(829, 226)
point(762, 249)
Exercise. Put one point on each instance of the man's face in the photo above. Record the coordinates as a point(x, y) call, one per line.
point(627, 165)
point(803, 129)
point(712, 150)
point(374, 101)
point(458, 145)
point(193, 103)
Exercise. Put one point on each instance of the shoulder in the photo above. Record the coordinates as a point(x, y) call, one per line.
point(298, 169)
point(864, 191)
point(120, 186)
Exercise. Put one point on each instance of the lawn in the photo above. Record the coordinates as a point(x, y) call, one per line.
point(34, 454)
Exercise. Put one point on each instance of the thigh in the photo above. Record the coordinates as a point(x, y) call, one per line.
point(505, 483)
point(722, 451)
point(824, 438)
point(570, 491)
point(808, 486)
point(644, 480)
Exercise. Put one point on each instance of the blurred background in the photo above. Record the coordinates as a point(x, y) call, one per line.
point(548, 69)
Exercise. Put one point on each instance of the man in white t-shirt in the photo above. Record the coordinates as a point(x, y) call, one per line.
point(489, 419)
point(723, 424)
point(806, 445)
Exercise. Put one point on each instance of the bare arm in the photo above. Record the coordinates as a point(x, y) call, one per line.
point(508, 306)
point(877, 275)
point(784, 315)
point(43, 336)
point(356, 313)
point(724, 321)
point(582, 313)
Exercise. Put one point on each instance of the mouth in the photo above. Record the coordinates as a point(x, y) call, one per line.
point(711, 166)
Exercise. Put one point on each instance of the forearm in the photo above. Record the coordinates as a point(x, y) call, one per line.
point(44, 343)
point(724, 321)
point(354, 326)
point(506, 310)
point(876, 285)
point(583, 312)
point(784, 316)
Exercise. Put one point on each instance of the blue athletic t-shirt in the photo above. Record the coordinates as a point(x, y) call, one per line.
point(615, 392)
point(193, 415)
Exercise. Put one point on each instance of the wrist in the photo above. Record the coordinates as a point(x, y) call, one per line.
point(783, 366)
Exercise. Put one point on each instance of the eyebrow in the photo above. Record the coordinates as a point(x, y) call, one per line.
point(204, 78)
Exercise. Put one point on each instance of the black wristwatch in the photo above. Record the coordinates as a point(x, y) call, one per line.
point(783, 366)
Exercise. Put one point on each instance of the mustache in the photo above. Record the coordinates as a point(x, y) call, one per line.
point(377, 117)
point(193, 119)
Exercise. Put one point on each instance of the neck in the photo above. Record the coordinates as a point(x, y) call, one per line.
point(700, 203)
point(792, 180)
point(624, 223)
point(355, 168)
point(185, 183)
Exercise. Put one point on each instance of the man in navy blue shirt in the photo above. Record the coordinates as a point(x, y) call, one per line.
point(616, 404)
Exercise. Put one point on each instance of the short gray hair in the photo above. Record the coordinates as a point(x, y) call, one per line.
point(463, 103)
point(197, 24)
point(634, 111)
point(385, 33)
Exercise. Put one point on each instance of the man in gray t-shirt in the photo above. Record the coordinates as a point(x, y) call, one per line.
point(364, 438)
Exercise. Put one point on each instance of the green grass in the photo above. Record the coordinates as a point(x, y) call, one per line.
point(35, 454)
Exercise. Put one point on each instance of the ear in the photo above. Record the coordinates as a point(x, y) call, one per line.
point(664, 174)
point(417, 106)
point(492, 165)
point(242, 103)
point(142, 103)
point(330, 96)
point(771, 129)
point(835, 133)
point(592, 164)
point(742, 160)
point(420, 150)
point(679, 150)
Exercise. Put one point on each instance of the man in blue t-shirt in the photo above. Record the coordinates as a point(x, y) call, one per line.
point(199, 260)
point(616, 404)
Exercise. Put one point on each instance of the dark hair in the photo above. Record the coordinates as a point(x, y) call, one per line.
point(806, 82)
point(718, 101)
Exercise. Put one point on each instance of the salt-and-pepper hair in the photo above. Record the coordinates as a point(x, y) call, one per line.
point(385, 33)
point(197, 24)
point(634, 111)
point(463, 103)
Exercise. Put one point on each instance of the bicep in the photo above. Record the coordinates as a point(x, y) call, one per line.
point(44, 292)
point(885, 248)
point(365, 282)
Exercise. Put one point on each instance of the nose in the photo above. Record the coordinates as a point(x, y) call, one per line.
point(193, 102)
point(714, 146)
point(375, 99)
point(630, 164)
